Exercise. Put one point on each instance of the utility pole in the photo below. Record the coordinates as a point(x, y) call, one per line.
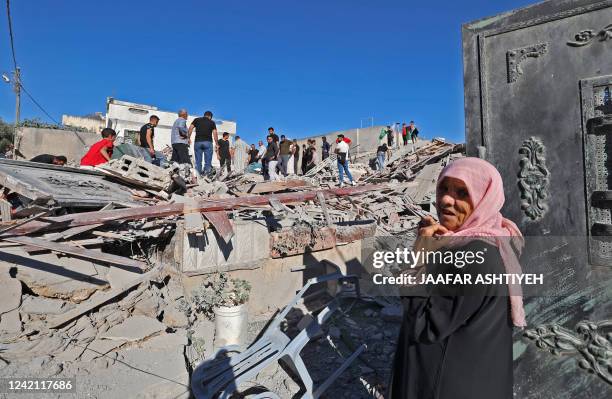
point(17, 89)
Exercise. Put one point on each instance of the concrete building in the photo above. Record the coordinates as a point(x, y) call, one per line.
point(127, 118)
point(93, 123)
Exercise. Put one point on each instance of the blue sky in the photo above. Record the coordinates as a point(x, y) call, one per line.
point(305, 67)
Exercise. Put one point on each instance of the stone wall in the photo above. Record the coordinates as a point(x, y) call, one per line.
point(35, 141)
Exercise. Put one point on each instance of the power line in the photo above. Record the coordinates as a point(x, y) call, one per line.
point(18, 79)
point(10, 25)
point(38, 104)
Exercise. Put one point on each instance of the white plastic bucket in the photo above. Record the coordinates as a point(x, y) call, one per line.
point(231, 326)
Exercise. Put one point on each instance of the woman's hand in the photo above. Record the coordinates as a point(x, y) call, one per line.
point(429, 238)
point(430, 228)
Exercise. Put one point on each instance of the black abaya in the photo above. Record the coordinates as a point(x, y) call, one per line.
point(458, 346)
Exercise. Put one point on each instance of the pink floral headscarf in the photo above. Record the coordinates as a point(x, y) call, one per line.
point(486, 190)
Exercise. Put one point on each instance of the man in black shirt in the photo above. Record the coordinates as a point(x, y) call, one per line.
point(274, 135)
point(270, 160)
point(59, 160)
point(389, 136)
point(147, 132)
point(206, 131)
point(382, 152)
point(224, 153)
point(324, 148)
point(305, 159)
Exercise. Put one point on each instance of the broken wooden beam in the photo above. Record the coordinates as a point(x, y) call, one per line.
point(272, 186)
point(80, 252)
point(203, 205)
point(221, 223)
point(298, 240)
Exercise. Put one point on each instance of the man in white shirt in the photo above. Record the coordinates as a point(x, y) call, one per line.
point(342, 151)
point(262, 150)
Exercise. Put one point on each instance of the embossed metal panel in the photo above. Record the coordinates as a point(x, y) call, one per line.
point(597, 126)
point(535, 100)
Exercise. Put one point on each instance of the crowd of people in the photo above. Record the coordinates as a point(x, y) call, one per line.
point(275, 159)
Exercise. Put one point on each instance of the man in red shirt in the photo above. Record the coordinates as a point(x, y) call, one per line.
point(102, 151)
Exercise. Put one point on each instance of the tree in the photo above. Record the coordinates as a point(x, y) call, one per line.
point(6, 135)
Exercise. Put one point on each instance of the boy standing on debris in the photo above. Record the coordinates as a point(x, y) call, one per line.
point(342, 150)
point(102, 151)
point(224, 153)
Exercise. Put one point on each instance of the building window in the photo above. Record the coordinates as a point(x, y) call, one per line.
point(131, 137)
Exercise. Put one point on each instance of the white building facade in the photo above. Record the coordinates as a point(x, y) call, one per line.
point(126, 118)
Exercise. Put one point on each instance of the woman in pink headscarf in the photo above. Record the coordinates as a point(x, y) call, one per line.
point(458, 344)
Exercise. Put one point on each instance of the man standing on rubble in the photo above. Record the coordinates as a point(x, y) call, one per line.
point(274, 135)
point(179, 138)
point(147, 133)
point(313, 157)
point(381, 153)
point(325, 147)
point(305, 159)
point(342, 150)
point(389, 132)
point(206, 131)
point(285, 154)
point(261, 151)
point(414, 132)
point(241, 155)
point(253, 154)
point(224, 153)
point(270, 160)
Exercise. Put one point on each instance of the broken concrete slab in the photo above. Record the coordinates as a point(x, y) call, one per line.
point(101, 299)
point(134, 328)
point(148, 305)
point(44, 306)
point(153, 369)
point(52, 276)
point(10, 299)
point(118, 276)
point(10, 294)
point(175, 318)
point(10, 322)
point(100, 347)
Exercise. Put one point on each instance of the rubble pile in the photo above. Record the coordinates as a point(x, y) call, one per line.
point(94, 263)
